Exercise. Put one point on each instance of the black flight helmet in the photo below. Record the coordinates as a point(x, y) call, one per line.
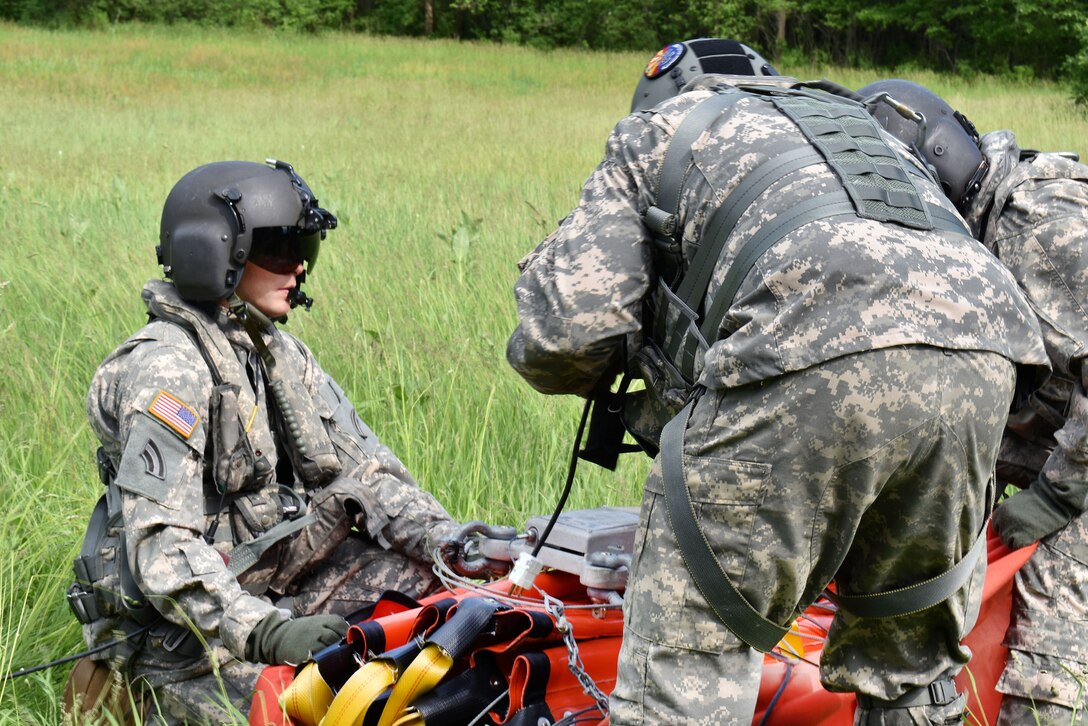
point(222, 214)
point(676, 64)
point(943, 137)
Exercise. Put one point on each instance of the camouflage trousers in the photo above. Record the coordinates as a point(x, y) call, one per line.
point(191, 691)
point(872, 470)
point(1047, 668)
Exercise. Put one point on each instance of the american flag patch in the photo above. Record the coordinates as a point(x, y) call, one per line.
point(174, 413)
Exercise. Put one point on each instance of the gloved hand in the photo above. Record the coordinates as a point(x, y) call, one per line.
point(277, 640)
point(1029, 515)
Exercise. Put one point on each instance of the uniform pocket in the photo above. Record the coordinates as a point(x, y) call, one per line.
point(666, 607)
point(726, 495)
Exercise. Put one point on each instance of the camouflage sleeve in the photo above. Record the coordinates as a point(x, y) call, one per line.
point(160, 395)
point(1040, 236)
point(1064, 478)
point(580, 293)
point(397, 512)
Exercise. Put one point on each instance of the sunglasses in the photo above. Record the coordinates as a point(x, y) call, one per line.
point(281, 250)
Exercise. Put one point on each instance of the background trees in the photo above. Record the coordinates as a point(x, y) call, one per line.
point(1024, 38)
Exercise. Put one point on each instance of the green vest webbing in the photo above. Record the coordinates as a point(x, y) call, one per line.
point(877, 185)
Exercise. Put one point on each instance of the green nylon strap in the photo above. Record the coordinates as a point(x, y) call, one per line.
point(735, 612)
point(812, 209)
point(246, 554)
point(730, 606)
point(720, 225)
point(674, 167)
point(912, 599)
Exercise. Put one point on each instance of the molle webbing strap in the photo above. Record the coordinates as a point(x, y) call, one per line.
point(880, 183)
point(722, 220)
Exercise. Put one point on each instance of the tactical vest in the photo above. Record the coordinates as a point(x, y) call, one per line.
point(875, 183)
point(244, 496)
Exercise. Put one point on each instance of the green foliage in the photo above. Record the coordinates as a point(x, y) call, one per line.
point(1077, 69)
point(1002, 37)
point(411, 144)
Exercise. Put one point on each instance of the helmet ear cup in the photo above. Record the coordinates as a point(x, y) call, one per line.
point(201, 261)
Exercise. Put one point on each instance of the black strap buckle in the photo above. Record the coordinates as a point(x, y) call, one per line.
point(106, 471)
point(939, 693)
point(81, 601)
point(943, 692)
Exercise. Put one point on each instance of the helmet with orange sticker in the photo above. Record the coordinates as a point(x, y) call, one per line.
point(677, 63)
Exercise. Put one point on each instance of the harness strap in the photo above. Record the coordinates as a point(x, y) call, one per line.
point(661, 218)
point(732, 609)
point(939, 693)
point(918, 597)
point(717, 230)
point(812, 209)
point(246, 554)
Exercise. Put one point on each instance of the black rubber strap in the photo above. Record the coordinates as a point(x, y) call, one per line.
point(728, 604)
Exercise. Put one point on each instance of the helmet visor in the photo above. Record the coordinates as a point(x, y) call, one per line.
point(282, 249)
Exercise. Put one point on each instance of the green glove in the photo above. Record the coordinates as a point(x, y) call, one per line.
point(1030, 515)
point(278, 641)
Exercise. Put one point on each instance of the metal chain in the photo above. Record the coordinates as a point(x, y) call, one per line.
point(554, 608)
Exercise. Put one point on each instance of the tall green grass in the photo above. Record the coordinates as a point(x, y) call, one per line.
point(445, 162)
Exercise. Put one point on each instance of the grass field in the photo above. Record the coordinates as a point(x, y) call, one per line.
point(445, 163)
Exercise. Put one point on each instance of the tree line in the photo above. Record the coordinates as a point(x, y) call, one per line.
point(1019, 38)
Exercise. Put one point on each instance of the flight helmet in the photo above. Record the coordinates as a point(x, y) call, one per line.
point(677, 63)
point(222, 214)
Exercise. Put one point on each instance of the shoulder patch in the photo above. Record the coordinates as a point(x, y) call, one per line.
point(175, 414)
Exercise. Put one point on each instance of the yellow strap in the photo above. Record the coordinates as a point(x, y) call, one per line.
point(424, 673)
point(350, 705)
point(307, 698)
point(410, 718)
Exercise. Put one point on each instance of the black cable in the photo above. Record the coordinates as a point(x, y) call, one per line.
point(67, 659)
point(570, 479)
point(781, 688)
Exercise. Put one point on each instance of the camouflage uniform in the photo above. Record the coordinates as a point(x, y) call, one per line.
point(1032, 212)
point(227, 457)
point(853, 407)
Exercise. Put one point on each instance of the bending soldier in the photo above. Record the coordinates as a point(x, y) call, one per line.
point(852, 350)
point(1030, 209)
point(248, 508)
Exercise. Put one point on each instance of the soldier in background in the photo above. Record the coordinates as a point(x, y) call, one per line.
point(1030, 209)
point(248, 508)
point(852, 386)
